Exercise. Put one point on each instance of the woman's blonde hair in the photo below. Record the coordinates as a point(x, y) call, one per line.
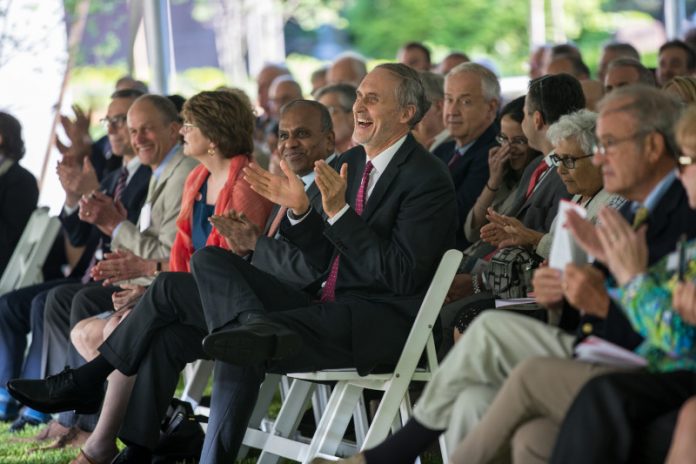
point(685, 129)
point(684, 87)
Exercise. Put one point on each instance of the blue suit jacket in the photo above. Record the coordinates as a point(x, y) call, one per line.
point(83, 234)
point(470, 174)
point(671, 217)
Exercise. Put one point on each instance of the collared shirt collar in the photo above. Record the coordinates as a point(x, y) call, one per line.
point(381, 161)
point(438, 139)
point(308, 179)
point(547, 158)
point(461, 151)
point(160, 169)
point(132, 166)
point(656, 193)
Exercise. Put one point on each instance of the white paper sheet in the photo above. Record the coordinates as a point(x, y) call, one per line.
point(564, 249)
point(596, 350)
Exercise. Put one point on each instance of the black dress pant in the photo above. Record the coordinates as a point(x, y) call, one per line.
point(623, 417)
point(165, 329)
point(65, 307)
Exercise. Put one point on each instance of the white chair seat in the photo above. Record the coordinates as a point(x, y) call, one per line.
point(28, 257)
point(395, 406)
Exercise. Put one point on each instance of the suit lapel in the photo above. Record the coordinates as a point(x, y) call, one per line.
point(153, 193)
point(387, 177)
point(658, 220)
point(140, 178)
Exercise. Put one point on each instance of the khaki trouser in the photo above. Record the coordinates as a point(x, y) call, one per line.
point(472, 373)
point(522, 422)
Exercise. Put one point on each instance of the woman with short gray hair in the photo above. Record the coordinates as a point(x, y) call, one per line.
point(573, 137)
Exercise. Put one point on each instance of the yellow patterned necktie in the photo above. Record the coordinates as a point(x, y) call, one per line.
point(640, 217)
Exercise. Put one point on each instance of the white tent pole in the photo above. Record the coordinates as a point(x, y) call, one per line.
point(160, 51)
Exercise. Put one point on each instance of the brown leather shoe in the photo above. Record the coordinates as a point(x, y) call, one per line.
point(75, 437)
point(83, 458)
point(52, 431)
point(356, 459)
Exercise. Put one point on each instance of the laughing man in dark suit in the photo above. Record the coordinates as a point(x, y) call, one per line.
point(389, 216)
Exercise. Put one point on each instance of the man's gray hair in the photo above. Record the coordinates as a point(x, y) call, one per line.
point(490, 85)
point(645, 76)
point(622, 49)
point(163, 105)
point(346, 94)
point(410, 91)
point(578, 126)
point(286, 78)
point(357, 61)
point(651, 108)
point(434, 85)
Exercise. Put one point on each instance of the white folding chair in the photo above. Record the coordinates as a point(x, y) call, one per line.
point(196, 376)
point(395, 406)
point(30, 253)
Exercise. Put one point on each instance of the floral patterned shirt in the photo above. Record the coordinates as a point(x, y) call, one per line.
point(670, 342)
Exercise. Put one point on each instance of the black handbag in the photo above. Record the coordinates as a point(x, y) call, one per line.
point(181, 435)
point(510, 272)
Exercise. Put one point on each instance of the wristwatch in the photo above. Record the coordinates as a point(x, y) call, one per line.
point(158, 268)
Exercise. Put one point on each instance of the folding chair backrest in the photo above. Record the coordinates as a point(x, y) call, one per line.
point(421, 336)
point(395, 403)
point(30, 253)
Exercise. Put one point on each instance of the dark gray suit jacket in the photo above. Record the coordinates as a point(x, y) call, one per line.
point(389, 253)
point(283, 259)
point(537, 212)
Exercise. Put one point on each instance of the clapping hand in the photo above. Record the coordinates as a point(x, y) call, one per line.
point(583, 287)
point(332, 186)
point(286, 190)
point(78, 134)
point(585, 235)
point(625, 250)
point(548, 287)
point(506, 231)
point(684, 301)
point(100, 209)
point(120, 265)
point(76, 180)
point(240, 233)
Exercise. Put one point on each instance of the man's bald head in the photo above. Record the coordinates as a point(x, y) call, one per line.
point(347, 69)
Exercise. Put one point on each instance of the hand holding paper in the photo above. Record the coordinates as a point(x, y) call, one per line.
point(564, 248)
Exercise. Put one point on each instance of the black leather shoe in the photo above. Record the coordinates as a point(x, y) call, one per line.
point(133, 455)
point(56, 393)
point(253, 343)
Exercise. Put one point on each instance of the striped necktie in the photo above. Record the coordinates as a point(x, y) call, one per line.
point(328, 293)
point(121, 184)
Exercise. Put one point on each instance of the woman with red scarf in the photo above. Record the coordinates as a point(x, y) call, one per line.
point(217, 131)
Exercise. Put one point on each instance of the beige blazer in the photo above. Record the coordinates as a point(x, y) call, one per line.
point(164, 198)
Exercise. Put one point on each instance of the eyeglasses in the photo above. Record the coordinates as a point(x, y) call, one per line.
point(502, 139)
point(116, 122)
point(567, 161)
point(601, 148)
point(684, 161)
point(189, 126)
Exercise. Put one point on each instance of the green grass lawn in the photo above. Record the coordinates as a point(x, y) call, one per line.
point(14, 451)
